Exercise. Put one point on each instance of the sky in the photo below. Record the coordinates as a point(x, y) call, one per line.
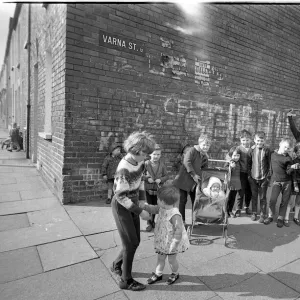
point(6, 11)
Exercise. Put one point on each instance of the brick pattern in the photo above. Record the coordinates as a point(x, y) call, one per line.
point(234, 67)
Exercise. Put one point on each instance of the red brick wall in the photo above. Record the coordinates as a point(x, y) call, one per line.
point(230, 68)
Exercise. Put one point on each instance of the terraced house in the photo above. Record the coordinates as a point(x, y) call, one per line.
point(79, 77)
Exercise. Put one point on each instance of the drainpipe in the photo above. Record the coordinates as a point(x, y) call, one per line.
point(29, 83)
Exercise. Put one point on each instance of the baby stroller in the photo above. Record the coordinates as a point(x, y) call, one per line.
point(204, 210)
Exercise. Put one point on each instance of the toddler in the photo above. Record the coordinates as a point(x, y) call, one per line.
point(295, 194)
point(109, 167)
point(234, 182)
point(170, 236)
point(213, 190)
point(156, 175)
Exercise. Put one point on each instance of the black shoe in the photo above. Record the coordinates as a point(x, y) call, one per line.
point(9, 150)
point(131, 285)
point(172, 278)
point(296, 221)
point(154, 278)
point(253, 217)
point(238, 213)
point(108, 201)
point(248, 211)
point(279, 223)
point(268, 220)
point(116, 270)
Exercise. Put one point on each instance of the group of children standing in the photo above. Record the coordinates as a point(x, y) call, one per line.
point(140, 191)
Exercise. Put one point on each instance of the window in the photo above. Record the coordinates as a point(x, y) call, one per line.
point(48, 93)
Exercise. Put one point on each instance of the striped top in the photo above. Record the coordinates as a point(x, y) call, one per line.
point(258, 162)
point(129, 186)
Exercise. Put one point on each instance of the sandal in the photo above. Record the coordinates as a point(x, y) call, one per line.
point(154, 278)
point(297, 221)
point(286, 223)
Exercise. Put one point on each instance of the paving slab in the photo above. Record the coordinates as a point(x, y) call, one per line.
point(258, 287)
point(6, 169)
point(224, 271)
point(289, 275)
point(37, 235)
point(64, 253)
point(115, 296)
point(188, 286)
point(17, 207)
point(7, 180)
point(86, 206)
point(10, 196)
point(24, 186)
point(88, 280)
point(13, 222)
point(52, 215)
point(102, 241)
point(19, 263)
point(92, 222)
point(36, 194)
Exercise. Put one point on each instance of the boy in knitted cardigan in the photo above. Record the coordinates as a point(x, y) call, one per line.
point(156, 175)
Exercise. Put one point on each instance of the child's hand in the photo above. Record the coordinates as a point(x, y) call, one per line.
point(290, 113)
point(196, 178)
point(232, 164)
point(105, 177)
point(145, 215)
point(142, 204)
point(150, 180)
point(296, 189)
point(158, 181)
point(295, 166)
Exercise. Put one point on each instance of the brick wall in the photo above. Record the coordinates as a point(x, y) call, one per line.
point(48, 34)
point(229, 68)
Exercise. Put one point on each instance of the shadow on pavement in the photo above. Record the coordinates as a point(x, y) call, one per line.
point(270, 286)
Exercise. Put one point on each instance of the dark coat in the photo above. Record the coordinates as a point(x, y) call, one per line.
point(161, 173)
point(194, 160)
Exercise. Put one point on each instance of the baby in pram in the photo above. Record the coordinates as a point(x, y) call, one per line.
point(209, 202)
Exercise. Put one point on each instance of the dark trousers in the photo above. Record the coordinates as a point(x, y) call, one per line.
point(151, 199)
point(183, 201)
point(128, 225)
point(259, 189)
point(283, 187)
point(231, 200)
point(245, 191)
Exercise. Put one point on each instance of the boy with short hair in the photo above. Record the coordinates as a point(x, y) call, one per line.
point(258, 166)
point(280, 170)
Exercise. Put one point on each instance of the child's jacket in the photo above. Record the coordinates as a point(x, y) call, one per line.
point(110, 165)
point(194, 160)
point(234, 181)
point(258, 162)
point(160, 173)
point(280, 168)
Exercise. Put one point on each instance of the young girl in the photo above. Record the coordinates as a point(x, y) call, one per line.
point(170, 237)
point(189, 175)
point(234, 182)
point(295, 195)
point(129, 190)
point(156, 176)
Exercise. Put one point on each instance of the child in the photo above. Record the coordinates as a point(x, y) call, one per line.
point(170, 237)
point(280, 171)
point(129, 191)
point(189, 175)
point(295, 131)
point(14, 136)
point(258, 166)
point(156, 175)
point(109, 167)
point(234, 182)
point(179, 159)
point(213, 189)
point(295, 194)
point(245, 191)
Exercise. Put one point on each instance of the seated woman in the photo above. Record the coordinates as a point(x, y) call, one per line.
point(210, 201)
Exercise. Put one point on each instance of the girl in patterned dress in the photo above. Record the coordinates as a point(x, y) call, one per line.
point(170, 237)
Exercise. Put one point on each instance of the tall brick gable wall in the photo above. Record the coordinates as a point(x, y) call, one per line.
point(48, 34)
point(230, 68)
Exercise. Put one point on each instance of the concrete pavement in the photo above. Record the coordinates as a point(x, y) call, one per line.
point(50, 251)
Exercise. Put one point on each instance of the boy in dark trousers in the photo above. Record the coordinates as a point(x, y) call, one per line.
point(280, 171)
point(258, 171)
point(109, 168)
